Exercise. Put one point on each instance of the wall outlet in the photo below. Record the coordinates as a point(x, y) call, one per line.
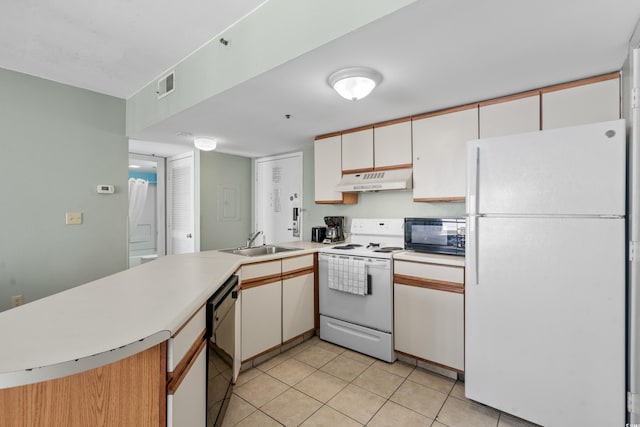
point(74, 218)
point(17, 300)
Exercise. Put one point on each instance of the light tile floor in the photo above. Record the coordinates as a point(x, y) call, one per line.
point(320, 384)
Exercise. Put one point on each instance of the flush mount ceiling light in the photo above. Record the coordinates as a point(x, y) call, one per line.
point(205, 144)
point(354, 83)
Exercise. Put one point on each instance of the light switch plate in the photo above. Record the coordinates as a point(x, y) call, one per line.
point(74, 218)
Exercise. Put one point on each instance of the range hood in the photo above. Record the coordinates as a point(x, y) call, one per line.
point(397, 179)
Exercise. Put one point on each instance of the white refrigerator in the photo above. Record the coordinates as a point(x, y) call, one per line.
point(545, 287)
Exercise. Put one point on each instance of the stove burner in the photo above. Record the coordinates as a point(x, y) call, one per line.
point(347, 246)
point(373, 245)
point(389, 249)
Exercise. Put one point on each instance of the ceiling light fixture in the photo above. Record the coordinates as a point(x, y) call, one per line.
point(205, 144)
point(354, 83)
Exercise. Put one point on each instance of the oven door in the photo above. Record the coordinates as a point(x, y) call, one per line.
point(374, 309)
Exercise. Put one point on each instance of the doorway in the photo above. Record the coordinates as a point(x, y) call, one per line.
point(181, 204)
point(146, 208)
point(278, 198)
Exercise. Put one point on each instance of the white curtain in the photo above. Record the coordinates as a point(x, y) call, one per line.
point(137, 198)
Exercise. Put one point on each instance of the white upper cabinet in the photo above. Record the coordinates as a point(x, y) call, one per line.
point(392, 145)
point(440, 154)
point(510, 115)
point(357, 150)
point(327, 159)
point(585, 103)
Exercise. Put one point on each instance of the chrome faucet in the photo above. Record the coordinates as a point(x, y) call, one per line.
point(252, 238)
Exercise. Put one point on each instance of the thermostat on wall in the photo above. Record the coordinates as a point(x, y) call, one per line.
point(106, 189)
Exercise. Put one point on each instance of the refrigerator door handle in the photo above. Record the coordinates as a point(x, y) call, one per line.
point(473, 160)
point(472, 249)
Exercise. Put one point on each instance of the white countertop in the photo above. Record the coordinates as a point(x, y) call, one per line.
point(151, 300)
point(453, 260)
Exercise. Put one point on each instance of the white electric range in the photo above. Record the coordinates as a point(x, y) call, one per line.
point(356, 287)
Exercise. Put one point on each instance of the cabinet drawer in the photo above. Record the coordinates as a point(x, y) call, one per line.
point(438, 272)
point(185, 337)
point(260, 269)
point(297, 263)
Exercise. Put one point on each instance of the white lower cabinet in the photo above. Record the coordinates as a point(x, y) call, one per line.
point(277, 303)
point(187, 406)
point(429, 313)
point(187, 368)
point(261, 318)
point(297, 306)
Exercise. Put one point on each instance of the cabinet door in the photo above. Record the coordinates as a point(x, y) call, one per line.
point(589, 103)
point(183, 339)
point(187, 406)
point(510, 116)
point(297, 306)
point(429, 324)
point(261, 319)
point(439, 155)
point(392, 145)
point(357, 150)
point(327, 171)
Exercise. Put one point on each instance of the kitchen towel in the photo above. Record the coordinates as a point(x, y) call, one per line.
point(347, 275)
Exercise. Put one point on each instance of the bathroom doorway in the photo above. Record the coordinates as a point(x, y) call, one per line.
point(146, 208)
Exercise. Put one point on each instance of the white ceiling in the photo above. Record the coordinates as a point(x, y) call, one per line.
point(432, 54)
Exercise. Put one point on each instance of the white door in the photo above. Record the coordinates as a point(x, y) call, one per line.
point(279, 198)
point(180, 204)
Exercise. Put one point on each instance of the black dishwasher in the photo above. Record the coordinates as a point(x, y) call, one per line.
point(221, 346)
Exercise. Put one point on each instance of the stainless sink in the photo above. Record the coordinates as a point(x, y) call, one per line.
point(259, 250)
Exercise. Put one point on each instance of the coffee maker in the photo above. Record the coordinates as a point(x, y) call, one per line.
point(335, 229)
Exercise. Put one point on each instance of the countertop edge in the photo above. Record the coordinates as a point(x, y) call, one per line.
point(94, 356)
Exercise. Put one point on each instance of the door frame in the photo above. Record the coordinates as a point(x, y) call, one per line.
point(196, 198)
point(160, 201)
point(297, 154)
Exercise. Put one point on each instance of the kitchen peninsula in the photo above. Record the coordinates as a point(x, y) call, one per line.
point(110, 337)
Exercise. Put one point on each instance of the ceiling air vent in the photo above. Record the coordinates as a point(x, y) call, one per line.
point(166, 85)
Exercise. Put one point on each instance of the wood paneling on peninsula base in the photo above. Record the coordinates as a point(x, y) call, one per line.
point(130, 392)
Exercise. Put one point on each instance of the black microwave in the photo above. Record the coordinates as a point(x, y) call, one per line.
point(435, 235)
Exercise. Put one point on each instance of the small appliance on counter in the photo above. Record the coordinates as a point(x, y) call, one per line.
point(318, 234)
point(335, 229)
point(435, 235)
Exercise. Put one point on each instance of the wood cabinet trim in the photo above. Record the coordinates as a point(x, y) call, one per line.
point(327, 135)
point(188, 320)
point(420, 282)
point(581, 82)
point(347, 199)
point(552, 88)
point(260, 281)
point(183, 368)
point(358, 129)
point(392, 122)
point(439, 264)
point(393, 167)
point(363, 170)
point(290, 340)
point(429, 361)
point(297, 273)
point(440, 199)
point(255, 356)
point(508, 98)
point(446, 111)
